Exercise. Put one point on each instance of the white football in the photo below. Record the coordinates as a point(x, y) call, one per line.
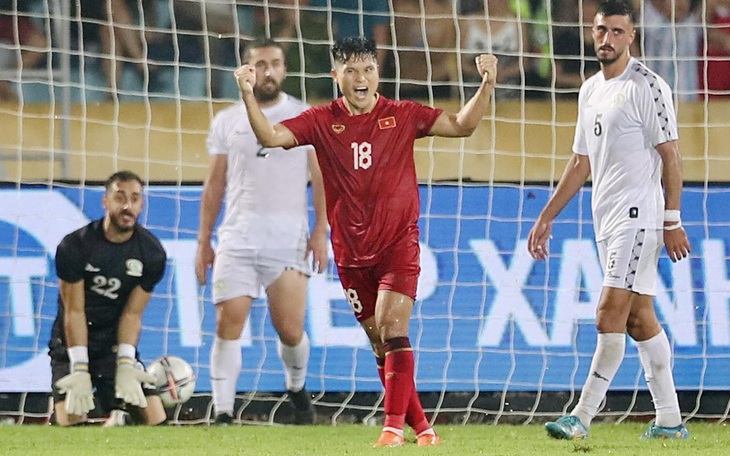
point(175, 379)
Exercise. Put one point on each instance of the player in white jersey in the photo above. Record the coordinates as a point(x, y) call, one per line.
point(626, 139)
point(263, 240)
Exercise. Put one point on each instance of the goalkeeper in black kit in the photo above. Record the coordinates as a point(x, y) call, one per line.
point(106, 273)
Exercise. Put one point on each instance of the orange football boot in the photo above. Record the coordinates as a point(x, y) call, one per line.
point(389, 439)
point(428, 440)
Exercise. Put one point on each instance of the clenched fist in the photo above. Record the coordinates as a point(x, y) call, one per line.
point(246, 78)
point(487, 66)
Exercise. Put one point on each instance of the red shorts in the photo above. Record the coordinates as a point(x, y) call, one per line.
point(398, 272)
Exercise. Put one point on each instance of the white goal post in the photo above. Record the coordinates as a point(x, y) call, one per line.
point(498, 337)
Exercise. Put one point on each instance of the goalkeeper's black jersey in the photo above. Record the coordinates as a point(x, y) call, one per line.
point(110, 272)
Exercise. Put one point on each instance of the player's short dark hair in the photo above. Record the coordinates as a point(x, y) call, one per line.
point(258, 44)
point(346, 48)
point(617, 8)
point(122, 176)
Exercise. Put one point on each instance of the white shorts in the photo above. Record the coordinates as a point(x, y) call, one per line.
point(629, 259)
point(250, 272)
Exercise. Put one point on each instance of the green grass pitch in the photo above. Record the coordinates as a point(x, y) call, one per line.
point(605, 439)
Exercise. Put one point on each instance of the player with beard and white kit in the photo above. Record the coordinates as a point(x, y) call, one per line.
point(626, 140)
point(264, 239)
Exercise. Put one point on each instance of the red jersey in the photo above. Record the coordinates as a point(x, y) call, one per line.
point(7, 29)
point(718, 67)
point(369, 173)
point(720, 19)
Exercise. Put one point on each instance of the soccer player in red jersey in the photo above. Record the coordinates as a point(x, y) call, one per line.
point(364, 145)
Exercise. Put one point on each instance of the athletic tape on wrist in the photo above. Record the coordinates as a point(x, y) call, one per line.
point(673, 227)
point(672, 215)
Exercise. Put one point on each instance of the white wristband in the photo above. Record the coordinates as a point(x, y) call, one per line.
point(78, 354)
point(672, 215)
point(126, 351)
point(673, 227)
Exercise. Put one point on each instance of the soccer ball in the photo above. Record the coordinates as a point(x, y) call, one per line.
point(175, 379)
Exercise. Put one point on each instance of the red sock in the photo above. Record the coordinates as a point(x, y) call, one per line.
point(415, 417)
point(399, 386)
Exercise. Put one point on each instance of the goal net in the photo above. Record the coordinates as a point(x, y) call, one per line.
point(89, 89)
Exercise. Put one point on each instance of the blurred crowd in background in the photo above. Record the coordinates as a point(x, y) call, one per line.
point(133, 50)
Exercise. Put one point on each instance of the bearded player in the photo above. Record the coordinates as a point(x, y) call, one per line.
point(364, 145)
point(106, 271)
point(264, 238)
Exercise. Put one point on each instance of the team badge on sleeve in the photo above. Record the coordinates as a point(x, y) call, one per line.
point(388, 122)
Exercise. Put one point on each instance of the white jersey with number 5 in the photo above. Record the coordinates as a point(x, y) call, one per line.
point(266, 194)
point(620, 121)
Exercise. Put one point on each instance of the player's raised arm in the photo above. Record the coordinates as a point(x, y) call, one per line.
point(467, 119)
point(268, 135)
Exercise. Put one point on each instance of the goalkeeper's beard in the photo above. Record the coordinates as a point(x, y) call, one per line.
point(118, 226)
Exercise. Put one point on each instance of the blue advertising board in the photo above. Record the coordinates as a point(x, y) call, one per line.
point(488, 316)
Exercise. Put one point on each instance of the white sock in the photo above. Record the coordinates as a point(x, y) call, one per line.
point(225, 366)
point(606, 361)
point(656, 358)
point(295, 360)
point(393, 430)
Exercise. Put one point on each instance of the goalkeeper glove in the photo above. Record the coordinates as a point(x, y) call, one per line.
point(128, 382)
point(77, 388)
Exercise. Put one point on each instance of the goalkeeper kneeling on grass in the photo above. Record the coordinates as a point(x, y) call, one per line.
point(106, 273)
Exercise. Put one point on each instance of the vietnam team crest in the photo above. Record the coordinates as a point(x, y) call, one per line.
point(388, 122)
point(338, 128)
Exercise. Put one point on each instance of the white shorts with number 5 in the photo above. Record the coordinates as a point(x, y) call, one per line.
point(629, 259)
